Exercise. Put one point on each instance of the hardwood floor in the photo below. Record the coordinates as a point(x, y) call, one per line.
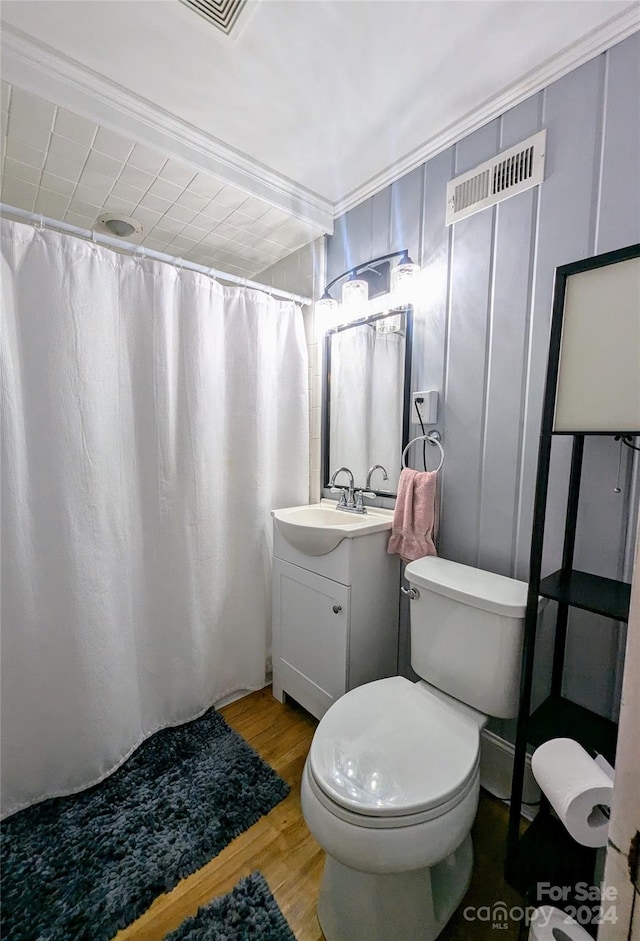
point(281, 848)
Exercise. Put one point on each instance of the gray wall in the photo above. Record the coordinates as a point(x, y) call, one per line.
point(481, 334)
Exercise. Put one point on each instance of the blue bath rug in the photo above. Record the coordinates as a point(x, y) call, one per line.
point(248, 913)
point(80, 868)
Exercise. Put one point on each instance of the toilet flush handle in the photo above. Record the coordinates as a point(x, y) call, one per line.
point(411, 593)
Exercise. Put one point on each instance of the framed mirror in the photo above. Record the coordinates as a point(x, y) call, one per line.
point(366, 398)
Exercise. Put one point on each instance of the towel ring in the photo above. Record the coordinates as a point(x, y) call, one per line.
point(432, 439)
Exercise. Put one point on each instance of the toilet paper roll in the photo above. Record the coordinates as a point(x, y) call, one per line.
point(550, 924)
point(578, 789)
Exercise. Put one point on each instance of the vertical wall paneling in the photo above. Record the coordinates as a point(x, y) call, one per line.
point(505, 397)
point(619, 203)
point(381, 225)
point(464, 413)
point(564, 222)
point(407, 199)
point(357, 245)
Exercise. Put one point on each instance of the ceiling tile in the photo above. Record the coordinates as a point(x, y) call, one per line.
point(155, 203)
point(114, 204)
point(191, 200)
point(30, 109)
point(101, 163)
point(111, 144)
point(95, 180)
point(130, 193)
point(205, 185)
point(180, 213)
point(147, 216)
point(228, 231)
point(75, 218)
point(212, 240)
point(165, 232)
point(199, 229)
point(89, 194)
point(215, 213)
point(51, 204)
point(177, 173)
point(253, 207)
point(35, 135)
point(58, 166)
point(25, 154)
point(230, 197)
point(132, 176)
point(165, 190)
point(90, 210)
point(56, 184)
point(274, 217)
point(70, 150)
point(20, 194)
point(21, 171)
point(74, 127)
point(261, 228)
point(143, 158)
point(239, 218)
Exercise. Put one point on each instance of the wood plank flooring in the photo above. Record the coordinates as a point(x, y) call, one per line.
point(281, 848)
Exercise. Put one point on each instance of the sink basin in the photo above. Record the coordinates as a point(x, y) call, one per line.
point(317, 529)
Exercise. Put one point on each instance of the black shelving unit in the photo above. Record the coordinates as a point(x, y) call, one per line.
point(546, 853)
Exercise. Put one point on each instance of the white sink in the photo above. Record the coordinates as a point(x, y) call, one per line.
point(318, 528)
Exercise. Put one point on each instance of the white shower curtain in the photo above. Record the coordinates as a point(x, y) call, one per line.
point(151, 420)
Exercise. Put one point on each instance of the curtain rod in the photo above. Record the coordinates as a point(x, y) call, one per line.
point(112, 242)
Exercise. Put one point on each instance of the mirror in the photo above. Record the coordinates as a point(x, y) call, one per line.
point(366, 398)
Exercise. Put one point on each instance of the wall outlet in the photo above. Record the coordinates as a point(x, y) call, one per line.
point(426, 404)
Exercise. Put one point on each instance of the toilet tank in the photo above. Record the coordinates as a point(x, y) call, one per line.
point(467, 630)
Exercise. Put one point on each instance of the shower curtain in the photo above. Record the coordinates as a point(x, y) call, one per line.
point(151, 420)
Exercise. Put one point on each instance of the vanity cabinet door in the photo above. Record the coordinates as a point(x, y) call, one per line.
point(310, 637)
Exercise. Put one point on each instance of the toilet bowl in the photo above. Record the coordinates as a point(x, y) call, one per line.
point(391, 783)
point(390, 790)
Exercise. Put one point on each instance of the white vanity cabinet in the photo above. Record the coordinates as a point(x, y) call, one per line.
point(335, 619)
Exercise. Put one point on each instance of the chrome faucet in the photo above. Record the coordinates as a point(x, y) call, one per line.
point(385, 476)
point(347, 500)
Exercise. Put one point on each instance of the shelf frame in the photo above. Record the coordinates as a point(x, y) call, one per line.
point(567, 587)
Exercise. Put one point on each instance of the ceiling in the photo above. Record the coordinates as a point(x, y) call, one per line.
point(309, 108)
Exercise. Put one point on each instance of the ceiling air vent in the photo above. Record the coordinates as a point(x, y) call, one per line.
point(513, 171)
point(223, 14)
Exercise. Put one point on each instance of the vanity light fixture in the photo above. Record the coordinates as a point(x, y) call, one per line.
point(363, 284)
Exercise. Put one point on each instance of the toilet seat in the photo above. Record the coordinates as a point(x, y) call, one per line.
point(393, 754)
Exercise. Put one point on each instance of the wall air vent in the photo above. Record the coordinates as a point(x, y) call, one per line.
point(513, 171)
point(223, 14)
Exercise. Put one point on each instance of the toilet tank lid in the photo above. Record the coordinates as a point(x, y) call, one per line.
point(474, 587)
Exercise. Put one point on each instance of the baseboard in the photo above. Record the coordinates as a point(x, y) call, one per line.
point(496, 768)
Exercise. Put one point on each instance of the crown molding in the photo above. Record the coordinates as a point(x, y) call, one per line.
point(598, 40)
point(40, 69)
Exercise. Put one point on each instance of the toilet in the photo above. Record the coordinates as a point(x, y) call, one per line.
point(391, 783)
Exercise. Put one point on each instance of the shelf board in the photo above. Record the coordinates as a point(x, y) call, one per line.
point(558, 717)
point(604, 596)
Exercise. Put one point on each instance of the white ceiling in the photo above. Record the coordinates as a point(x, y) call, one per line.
point(316, 103)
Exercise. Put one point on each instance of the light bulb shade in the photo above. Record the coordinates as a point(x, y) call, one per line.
point(355, 295)
point(326, 312)
point(404, 281)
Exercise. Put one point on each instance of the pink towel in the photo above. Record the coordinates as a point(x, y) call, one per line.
point(415, 517)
